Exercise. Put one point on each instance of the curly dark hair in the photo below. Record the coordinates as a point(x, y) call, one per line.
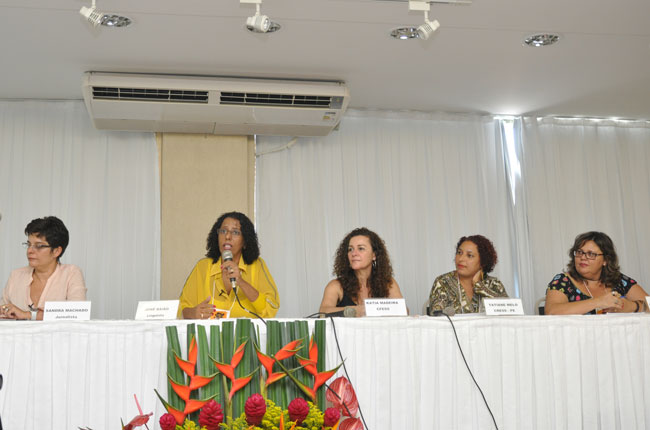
point(610, 275)
point(251, 250)
point(486, 252)
point(381, 275)
point(52, 230)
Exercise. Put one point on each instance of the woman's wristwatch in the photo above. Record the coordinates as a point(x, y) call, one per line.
point(34, 312)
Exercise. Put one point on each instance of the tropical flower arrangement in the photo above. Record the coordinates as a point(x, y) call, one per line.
point(230, 384)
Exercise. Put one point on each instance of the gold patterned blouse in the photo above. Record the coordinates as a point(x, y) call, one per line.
point(447, 291)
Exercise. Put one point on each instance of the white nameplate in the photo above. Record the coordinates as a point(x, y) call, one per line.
point(385, 307)
point(157, 310)
point(66, 311)
point(503, 307)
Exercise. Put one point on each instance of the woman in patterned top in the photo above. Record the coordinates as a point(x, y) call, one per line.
point(463, 288)
point(593, 282)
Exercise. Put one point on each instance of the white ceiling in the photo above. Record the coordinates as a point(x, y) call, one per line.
point(475, 62)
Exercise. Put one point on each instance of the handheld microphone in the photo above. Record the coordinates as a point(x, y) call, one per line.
point(227, 256)
point(348, 312)
point(449, 311)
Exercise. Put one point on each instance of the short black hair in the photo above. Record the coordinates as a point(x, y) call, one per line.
point(251, 249)
point(52, 230)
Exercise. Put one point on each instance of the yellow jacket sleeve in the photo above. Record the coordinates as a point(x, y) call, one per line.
point(268, 302)
point(196, 287)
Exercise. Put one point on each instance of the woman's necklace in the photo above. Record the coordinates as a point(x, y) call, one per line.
point(587, 287)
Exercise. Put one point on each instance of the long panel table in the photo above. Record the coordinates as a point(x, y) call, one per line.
point(536, 372)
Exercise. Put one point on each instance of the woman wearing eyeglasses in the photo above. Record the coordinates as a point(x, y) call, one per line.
point(45, 278)
point(593, 282)
point(209, 292)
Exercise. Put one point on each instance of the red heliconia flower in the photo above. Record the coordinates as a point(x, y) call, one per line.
point(211, 415)
point(288, 350)
point(351, 424)
point(255, 408)
point(167, 422)
point(229, 371)
point(346, 395)
point(310, 364)
point(331, 417)
point(298, 410)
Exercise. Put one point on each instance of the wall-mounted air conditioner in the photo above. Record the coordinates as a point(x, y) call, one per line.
point(215, 105)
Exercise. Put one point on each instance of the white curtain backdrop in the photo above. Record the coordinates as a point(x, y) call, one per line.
point(419, 182)
point(583, 175)
point(103, 185)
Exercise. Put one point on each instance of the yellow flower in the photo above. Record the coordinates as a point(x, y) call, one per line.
point(190, 425)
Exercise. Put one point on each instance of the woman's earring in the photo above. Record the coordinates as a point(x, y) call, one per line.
point(374, 264)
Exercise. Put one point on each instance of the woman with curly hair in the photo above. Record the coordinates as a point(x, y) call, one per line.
point(363, 270)
point(593, 282)
point(209, 292)
point(464, 288)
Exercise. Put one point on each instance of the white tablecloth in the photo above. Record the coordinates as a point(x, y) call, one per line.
point(536, 372)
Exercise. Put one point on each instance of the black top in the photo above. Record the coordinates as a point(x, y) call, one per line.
point(345, 301)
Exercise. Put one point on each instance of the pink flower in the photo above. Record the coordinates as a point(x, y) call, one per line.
point(351, 424)
point(255, 408)
point(211, 415)
point(298, 410)
point(331, 417)
point(343, 397)
point(167, 422)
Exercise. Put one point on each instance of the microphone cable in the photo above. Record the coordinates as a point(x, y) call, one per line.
point(314, 315)
point(470, 371)
point(345, 369)
point(246, 309)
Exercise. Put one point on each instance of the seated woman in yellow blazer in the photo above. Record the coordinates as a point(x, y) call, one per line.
point(209, 292)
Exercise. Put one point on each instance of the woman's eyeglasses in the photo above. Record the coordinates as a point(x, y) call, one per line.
point(36, 246)
point(223, 232)
point(590, 255)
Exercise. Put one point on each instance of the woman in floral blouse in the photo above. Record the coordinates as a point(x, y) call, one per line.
point(593, 282)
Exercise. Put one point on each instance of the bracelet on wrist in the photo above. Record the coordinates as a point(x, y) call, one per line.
point(34, 312)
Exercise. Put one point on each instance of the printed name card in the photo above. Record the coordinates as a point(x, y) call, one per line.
point(157, 310)
point(385, 307)
point(66, 311)
point(503, 307)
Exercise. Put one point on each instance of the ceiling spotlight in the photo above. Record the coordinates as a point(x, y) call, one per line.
point(537, 40)
point(404, 33)
point(96, 17)
point(425, 30)
point(259, 23)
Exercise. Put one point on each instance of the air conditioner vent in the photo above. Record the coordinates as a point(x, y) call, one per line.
point(150, 94)
point(265, 99)
point(225, 105)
